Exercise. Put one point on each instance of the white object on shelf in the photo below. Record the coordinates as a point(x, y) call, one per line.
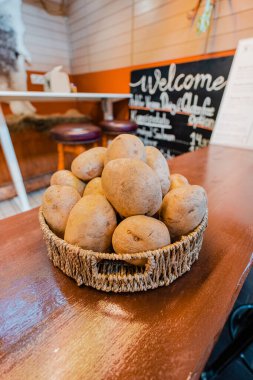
point(57, 81)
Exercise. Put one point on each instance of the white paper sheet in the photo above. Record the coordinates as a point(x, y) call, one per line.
point(234, 123)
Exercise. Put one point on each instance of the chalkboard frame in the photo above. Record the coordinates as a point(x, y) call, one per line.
point(155, 126)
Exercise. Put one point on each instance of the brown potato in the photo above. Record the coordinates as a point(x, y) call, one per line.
point(66, 178)
point(125, 146)
point(91, 224)
point(158, 163)
point(132, 187)
point(183, 209)
point(94, 187)
point(57, 202)
point(177, 180)
point(140, 233)
point(89, 164)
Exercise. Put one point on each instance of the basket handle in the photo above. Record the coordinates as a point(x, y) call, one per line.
point(149, 266)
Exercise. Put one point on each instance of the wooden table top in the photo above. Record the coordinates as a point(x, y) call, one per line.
point(51, 329)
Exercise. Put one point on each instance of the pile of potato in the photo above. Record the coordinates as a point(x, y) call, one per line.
point(122, 199)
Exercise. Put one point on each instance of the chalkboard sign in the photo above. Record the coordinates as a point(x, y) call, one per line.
point(175, 106)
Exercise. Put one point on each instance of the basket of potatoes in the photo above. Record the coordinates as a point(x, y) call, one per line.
point(118, 221)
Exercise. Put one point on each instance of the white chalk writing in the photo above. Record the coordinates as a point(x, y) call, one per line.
point(181, 82)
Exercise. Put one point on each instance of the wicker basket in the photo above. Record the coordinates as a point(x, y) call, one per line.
point(111, 273)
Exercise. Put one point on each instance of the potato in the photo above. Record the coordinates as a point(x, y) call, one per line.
point(140, 233)
point(125, 146)
point(158, 163)
point(94, 187)
point(57, 202)
point(89, 164)
point(183, 209)
point(66, 178)
point(132, 187)
point(177, 180)
point(91, 224)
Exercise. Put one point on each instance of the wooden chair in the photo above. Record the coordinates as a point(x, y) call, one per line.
point(75, 139)
point(113, 128)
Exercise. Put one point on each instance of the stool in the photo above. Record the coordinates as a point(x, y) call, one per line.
point(75, 139)
point(113, 128)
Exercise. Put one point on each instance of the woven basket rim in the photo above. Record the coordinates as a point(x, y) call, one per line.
point(185, 239)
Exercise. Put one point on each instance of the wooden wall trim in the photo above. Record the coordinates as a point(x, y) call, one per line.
point(117, 80)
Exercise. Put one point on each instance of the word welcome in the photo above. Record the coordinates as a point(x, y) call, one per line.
point(180, 82)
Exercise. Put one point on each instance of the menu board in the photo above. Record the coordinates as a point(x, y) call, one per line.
point(175, 106)
point(234, 125)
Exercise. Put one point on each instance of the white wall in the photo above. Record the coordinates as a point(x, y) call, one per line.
point(100, 34)
point(46, 38)
point(108, 34)
point(169, 34)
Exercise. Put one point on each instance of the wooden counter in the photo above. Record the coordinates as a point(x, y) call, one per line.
point(51, 329)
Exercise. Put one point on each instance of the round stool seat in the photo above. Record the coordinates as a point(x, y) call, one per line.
point(76, 133)
point(118, 126)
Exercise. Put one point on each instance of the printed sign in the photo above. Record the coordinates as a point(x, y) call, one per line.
point(175, 106)
point(234, 125)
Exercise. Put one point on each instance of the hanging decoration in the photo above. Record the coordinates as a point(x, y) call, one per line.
point(204, 20)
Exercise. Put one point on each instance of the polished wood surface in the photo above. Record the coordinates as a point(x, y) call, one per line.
point(51, 329)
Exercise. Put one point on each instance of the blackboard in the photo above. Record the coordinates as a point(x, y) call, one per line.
point(175, 106)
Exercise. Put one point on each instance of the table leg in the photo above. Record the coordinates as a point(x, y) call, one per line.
point(107, 108)
point(12, 162)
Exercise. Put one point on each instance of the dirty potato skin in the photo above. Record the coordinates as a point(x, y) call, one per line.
point(140, 233)
point(177, 180)
point(91, 224)
point(132, 187)
point(89, 164)
point(158, 163)
point(57, 202)
point(66, 178)
point(183, 209)
point(125, 146)
point(94, 187)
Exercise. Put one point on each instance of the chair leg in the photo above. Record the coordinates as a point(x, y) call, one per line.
point(73, 149)
point(79, 149)
point(104, 140)
point(61, 161)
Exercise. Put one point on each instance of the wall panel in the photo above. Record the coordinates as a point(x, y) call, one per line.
point(150, 31)
point(46, 38)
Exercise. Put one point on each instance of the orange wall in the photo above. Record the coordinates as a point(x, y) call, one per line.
point(117, 81)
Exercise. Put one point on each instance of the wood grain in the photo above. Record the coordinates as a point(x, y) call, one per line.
point(51, 329)
point(149, 31)
point(36, 153)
